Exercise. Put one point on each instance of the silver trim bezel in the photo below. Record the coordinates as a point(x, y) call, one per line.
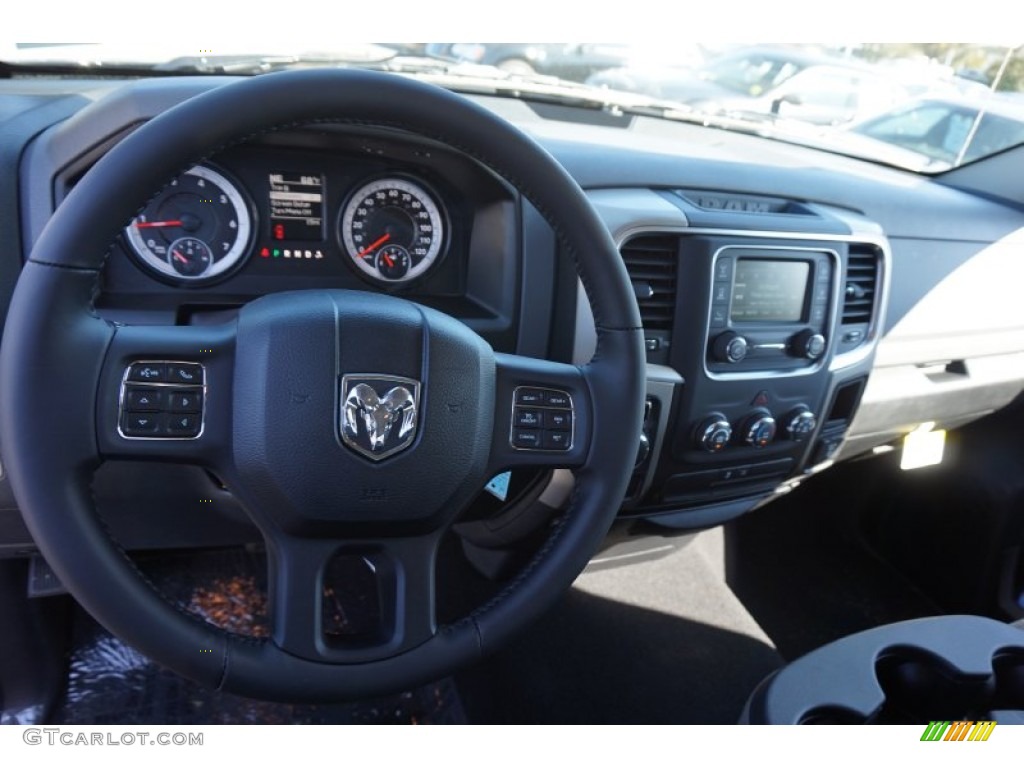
point(170, 385)
point(512, 421)
point(817, 365)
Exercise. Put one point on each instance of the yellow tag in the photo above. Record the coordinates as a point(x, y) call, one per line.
point(923, 448)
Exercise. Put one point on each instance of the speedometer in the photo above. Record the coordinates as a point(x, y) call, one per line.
point(198, 227)
point(392, 230)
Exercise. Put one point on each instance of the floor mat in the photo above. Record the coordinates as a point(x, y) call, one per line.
point(111, 683)
point(803, 569)
point(656, 642)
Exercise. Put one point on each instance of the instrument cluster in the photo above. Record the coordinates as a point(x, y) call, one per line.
point(388, 224)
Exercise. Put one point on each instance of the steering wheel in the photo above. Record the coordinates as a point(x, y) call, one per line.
point(278, 386)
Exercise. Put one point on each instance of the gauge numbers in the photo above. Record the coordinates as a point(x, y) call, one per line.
point(198, 227)
point(392, 230)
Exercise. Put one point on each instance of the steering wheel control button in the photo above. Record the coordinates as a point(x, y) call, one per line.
point(141, 424)
point(559, 420)
point(759, 429)
point(183, 424)
point(526, 438)
point(186, 373)
point(168, 407)
point(185, 402)
point(144, 399)
point(149, 372)
point(714, 433)
point(546, 423)
point(528, 418)
point(528, 396)
point(556, 441)
point(557, 399)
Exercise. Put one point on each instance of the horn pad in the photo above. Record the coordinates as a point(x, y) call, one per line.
point(358, 409)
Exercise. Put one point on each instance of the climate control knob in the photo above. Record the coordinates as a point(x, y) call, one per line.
point(799, 423)
point(730, 347)
point(808, 344)
point(714, 433)
point(759, 429)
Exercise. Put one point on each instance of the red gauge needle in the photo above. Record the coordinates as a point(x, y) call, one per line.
point(373, 246)
point(388, 260)
point(150, 224)
point(179, 257)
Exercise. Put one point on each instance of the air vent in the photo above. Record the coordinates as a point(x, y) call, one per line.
point(861, 284)
point(651, 263)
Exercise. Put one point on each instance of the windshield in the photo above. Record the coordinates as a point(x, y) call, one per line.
point(926, 107)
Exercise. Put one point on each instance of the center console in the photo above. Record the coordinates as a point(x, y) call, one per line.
point(760, 330)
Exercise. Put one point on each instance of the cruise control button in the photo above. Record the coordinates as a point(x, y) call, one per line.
point(147, 372)
point(186, 373)
point(143, 399)
point(527, 396)
point(527, 418)
point(526, 438)
point(557, 399)
point(556, 441)
point(183, 424)
point(186, 402)
point(560, 420)
point(141, 424)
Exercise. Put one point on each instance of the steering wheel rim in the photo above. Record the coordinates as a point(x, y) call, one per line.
point(59, 361)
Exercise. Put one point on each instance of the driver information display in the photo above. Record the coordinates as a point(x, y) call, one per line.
point(769, 291)
point(296, 206)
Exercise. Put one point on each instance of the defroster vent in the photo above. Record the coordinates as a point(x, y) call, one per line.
point(651, 262)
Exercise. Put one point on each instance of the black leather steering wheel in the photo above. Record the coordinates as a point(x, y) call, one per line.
point(62, 368)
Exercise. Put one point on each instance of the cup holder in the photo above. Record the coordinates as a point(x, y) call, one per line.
point(952, 668)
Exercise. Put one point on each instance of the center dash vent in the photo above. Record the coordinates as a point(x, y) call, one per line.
point(861, 284)
point(651, 263)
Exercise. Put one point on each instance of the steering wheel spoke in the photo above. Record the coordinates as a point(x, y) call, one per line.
point(165, 394)
point(352, 601)
point(542, 414)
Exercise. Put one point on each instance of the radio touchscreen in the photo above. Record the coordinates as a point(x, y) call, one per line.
point(769, 291)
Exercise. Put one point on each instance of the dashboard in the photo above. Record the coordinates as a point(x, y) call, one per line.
point(799, 308)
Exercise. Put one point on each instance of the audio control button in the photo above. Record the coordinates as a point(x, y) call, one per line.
point(730, 347)
point(807, 344)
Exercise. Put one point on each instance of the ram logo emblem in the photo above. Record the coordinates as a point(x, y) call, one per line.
point(379, 414)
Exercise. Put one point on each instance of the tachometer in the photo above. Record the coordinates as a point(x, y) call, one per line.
point(392, 229)
point(199, 227)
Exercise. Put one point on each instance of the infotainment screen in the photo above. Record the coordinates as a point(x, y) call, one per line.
point(766, 291)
